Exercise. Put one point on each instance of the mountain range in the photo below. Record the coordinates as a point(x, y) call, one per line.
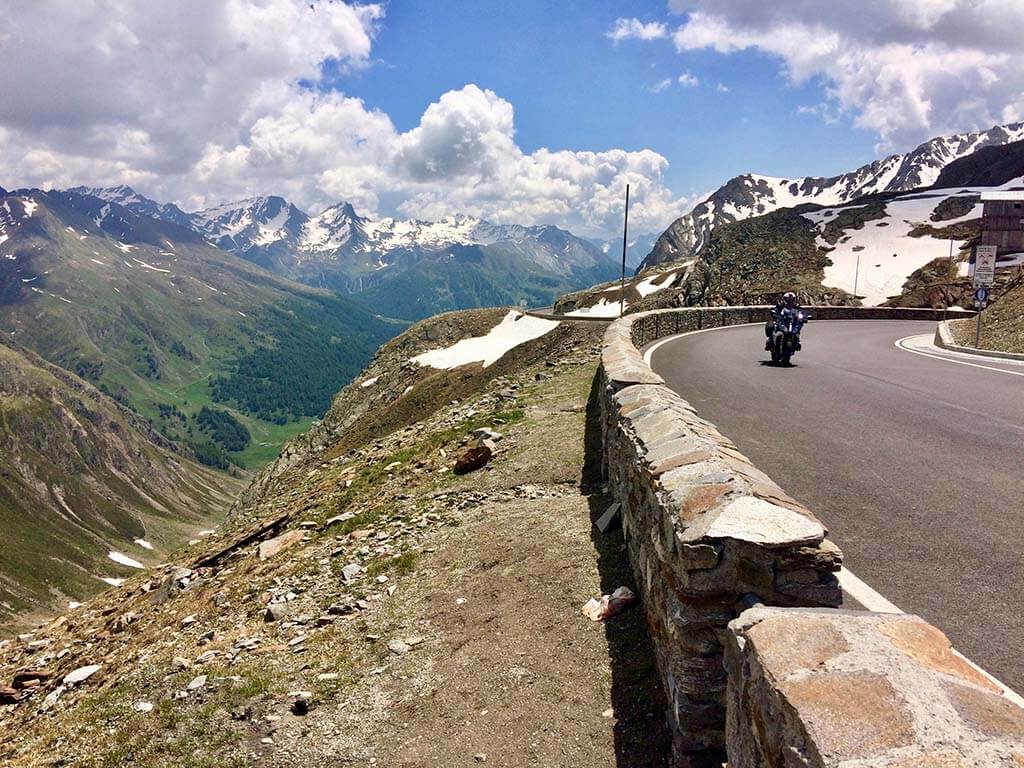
point(748, 195)
point(910, 248)
point(166, 323)
point(403, 268)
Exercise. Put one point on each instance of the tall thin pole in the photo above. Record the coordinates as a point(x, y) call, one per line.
point(950, 276)
point(625, 236)
point(856, 276)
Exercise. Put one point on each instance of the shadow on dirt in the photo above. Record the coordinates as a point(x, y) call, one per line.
point(642, 738)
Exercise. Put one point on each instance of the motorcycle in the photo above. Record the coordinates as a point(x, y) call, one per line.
point(785, 336)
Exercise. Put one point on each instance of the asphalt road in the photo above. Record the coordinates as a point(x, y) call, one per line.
point(915, 465)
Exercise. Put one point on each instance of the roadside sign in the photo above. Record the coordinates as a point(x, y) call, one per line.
point(984, 264)
point(981, 293)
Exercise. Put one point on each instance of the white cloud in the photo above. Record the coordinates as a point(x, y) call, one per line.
point(661, 85)
point(221, 102)
point(634, 29)
point(688, 80)
point(462, 156)
point(722, 88)
point(826, 112)
point(906, 69)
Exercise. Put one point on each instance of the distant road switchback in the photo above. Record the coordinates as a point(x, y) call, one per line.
point(914, 463)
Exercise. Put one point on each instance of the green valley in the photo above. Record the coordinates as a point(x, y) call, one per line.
point(167, 324)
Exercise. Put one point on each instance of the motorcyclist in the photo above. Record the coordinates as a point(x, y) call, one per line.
point(788, 301)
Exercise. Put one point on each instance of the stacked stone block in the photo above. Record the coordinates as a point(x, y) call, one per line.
point(819, 689)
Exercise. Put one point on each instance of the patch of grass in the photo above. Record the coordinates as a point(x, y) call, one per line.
point(372, 477)
point(178, 734)
point(399, 564)
point(255, 685)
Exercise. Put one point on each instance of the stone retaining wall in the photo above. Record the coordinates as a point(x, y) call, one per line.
point(708, 534)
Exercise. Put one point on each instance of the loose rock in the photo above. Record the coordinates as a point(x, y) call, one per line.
point(81, 674)
point(275, 612)
point(473, 459)
point(271, 547)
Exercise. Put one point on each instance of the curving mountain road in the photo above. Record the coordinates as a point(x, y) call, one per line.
point(915, 464)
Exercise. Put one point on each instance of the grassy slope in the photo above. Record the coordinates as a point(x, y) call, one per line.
point(1002, 324)
point(81, 475)
point(491, 539)
point(157, 336)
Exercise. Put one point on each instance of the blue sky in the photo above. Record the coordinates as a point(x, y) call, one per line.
point(573, 88)
point(525, 112)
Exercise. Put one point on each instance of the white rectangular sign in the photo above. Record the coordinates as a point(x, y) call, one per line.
point(984, 264)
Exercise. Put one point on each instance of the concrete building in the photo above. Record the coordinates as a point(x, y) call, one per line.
point(1002, 221)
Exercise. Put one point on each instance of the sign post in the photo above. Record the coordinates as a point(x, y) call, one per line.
point(984, 276)
point(984, 264)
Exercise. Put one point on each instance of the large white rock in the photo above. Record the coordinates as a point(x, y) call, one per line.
point(761, 522)
point(81, 674)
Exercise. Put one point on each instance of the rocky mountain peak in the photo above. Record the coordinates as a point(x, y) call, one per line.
point(749, 195)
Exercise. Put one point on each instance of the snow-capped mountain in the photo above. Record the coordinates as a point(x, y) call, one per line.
point(344, 251)
point(251, 227)
point(259, 221)
point(753, 195)
point(136, 203)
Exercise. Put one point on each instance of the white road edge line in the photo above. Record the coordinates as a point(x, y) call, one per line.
point(850, 583)
point(874, 602)
point(865, 595)
point(899, 344)
point(654, 347)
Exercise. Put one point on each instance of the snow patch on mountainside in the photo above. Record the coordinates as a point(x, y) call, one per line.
point(749, 195)
point(515, 329)
point(879, 257)
point(658, 282)
point(603, 308)
point(123, 559)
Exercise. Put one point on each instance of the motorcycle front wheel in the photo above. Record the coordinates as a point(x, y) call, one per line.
point(786, 352)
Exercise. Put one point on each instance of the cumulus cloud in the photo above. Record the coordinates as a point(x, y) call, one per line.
point(152, 83)
point(688, 80)
point(225, 101)
point(634, 29)
point(463, 156)
point(661, 85)
point(906, 69)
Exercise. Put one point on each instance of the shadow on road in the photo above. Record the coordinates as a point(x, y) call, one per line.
point(770, 364)
point(642, 739)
